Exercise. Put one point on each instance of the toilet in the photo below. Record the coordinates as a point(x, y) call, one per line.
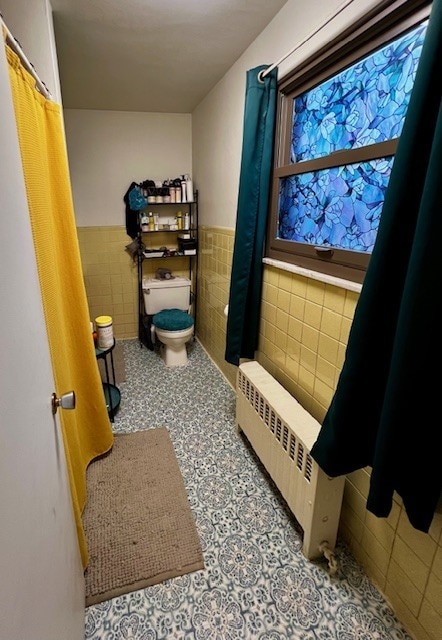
point(168, 303)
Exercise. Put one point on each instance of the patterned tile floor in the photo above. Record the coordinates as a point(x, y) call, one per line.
point(256, 583)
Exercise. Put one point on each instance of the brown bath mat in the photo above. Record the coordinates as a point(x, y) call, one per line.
point(138, 524)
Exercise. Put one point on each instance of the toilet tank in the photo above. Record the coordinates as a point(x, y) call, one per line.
point(166, 294)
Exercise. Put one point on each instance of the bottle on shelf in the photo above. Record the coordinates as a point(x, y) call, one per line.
point(151, 222)
point(186, 221)
point(189, 188)
point(183, 190)
point(144, 222)
point(177, 185)
point(179, 219)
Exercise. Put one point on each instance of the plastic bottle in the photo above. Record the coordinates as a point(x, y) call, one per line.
point(144, 222)
point(189, 188)
point(151, 222)
point(183, 190)
point(186, 221)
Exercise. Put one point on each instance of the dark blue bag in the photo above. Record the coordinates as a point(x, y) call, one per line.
point(136, 199)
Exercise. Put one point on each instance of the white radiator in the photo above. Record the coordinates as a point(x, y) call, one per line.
point(282, 434)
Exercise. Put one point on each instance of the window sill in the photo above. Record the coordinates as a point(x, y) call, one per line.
point(314, 275)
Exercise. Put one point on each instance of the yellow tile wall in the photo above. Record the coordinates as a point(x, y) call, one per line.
point(110, 277)
point(110, 274)
point(304, 330)
point(214, 267)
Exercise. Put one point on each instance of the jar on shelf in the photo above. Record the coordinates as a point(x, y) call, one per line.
point(105, 333)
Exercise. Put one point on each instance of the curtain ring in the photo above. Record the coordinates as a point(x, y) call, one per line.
point(260, 77)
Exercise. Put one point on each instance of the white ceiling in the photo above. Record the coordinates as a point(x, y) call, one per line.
point(151, 55)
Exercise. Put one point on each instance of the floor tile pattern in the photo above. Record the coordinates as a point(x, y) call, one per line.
point(256, 583)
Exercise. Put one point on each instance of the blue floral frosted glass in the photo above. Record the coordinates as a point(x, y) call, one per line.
point(362, 105)
point(338, 207)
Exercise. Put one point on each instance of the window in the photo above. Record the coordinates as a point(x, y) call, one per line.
point(339, 120)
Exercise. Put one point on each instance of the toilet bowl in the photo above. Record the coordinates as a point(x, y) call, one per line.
point(173, 328)
point(167, 303)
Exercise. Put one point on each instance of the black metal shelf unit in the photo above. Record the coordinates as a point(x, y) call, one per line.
point(144, 321)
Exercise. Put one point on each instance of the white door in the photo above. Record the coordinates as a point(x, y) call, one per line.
point(41, 577)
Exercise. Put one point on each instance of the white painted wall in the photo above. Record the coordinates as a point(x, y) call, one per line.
point(30, 21)
point(217, 122)
point(109, 149)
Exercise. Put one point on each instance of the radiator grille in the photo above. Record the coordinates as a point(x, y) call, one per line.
point(282, 434)
point(277, 426)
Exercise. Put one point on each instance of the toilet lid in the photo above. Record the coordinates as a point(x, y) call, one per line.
point(172, 320)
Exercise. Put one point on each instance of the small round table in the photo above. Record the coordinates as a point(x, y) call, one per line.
point(112, 394)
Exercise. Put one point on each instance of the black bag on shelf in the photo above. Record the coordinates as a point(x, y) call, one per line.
point(131, 215)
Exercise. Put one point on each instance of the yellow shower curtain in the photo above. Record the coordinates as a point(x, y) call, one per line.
point(87, 431)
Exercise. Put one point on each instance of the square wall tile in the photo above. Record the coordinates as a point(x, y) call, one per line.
point(404, 614)
point(410, 563)
point(331, 323)
point(283, 300)
point(354, 500)
point(285, 281)
point(328, 348)
point(351, 299)
point(310, 339)
point(437, 563)
point(351, 522)
point(381, 530)
point(312, 314)
point(361, 480)
point(299, 286)
point(378, 554)
point(433, 593)
point(334, 299)
point(282, 320)
point(430, 620)
point(315, 292)
point(325, 371)
point(421, 543)
point(297, 307)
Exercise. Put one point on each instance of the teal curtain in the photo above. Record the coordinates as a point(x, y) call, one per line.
point(251, 220)
point(385, 412)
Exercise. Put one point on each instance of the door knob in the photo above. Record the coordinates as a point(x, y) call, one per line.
point(66, 401)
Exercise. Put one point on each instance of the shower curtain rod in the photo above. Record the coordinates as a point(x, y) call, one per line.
point(265, 72)
point(15, 45)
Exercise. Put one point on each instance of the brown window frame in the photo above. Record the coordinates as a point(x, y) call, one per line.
point(382, 24)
